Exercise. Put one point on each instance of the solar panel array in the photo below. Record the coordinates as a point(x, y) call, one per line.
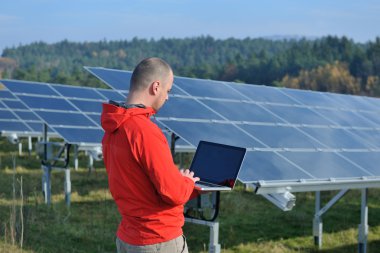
point(16, 118)
point(291, 135)
point(72, 112)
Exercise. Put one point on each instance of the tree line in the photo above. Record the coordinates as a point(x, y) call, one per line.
point(331, 63)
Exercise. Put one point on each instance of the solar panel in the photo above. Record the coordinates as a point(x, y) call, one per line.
point(78, 92)
point(263, 94)
point(282, 137)
point(326, 165)
point(270, 166)
point(72, 112)
point(118, 79)
point(291, 135)
point(194, 110)
point(242, 111)
point(206, 88)
point(16, 118)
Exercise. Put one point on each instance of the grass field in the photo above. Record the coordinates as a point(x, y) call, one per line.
point(248, 223)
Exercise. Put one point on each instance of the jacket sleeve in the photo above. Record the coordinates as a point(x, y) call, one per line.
point(155, 157)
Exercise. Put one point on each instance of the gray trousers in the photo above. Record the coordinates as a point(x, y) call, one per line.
point(177, 245)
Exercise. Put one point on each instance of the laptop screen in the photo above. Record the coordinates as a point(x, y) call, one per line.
point(217, 163)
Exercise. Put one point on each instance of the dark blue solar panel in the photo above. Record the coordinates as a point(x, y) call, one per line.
point(168, 135)
point(260, 93)
point(240, 111)
point(78, 92)
point(120, 80)
point(269, 166)
point(2, 105)
point(345, 118)
point(372, 116)
point(325, 165)
point(95, 118)
point(12, 104)
point(6, 94)
point(111, 95)
point(46, 103)
point(62, 118)
point(374, 102)
point(117, 79)
point(310, 98)
point(87, 106)
point(80, 135)
point(370, 137)
point(193, 132)
point(13, 126)
point(186, 108)
point(347, 101)
point(57, 111)
point(367, 160)
point(336, 138)
point(26, 115)
point(5, 114)
point(38, 127)
point(281, 136)
point(298, 115)
point(207, 88)
point(29, 88)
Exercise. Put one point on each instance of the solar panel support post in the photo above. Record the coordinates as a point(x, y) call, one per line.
point(46, 183)
point(214, 246)
point(173, 138)
point(363, 227)
point(20, 148)
point(90, 163)
point(76, 163)
point(67, 185)
point(30, 145)
point(317, 221)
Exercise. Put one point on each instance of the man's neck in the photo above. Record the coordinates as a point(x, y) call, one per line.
point(136, 100)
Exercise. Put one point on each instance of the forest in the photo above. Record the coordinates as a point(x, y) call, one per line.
point(330, 63)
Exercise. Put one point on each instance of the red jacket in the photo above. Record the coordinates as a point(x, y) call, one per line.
point(146, 185)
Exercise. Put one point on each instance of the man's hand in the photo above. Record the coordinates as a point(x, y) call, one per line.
point(189, 174)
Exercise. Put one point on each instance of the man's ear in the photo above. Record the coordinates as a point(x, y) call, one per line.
point(155, 87)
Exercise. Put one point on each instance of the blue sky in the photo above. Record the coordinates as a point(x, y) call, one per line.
point(26, 21)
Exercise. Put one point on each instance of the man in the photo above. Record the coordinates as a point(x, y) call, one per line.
point(148, 188)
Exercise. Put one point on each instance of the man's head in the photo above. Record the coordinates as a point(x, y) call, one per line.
point(151, 82)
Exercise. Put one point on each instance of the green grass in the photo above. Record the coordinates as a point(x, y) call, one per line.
point(248, 223)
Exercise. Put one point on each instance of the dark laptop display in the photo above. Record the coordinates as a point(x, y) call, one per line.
point(217, 163)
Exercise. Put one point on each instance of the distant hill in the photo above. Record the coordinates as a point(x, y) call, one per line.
point(289, 37)
point(275, 60)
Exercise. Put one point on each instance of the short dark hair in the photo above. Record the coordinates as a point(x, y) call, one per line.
point(148, 71)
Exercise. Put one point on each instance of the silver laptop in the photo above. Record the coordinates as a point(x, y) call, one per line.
point(217, 166)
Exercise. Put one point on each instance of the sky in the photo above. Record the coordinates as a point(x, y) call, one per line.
point(26, 21)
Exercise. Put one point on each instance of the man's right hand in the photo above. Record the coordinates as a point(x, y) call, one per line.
point(189, 174)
